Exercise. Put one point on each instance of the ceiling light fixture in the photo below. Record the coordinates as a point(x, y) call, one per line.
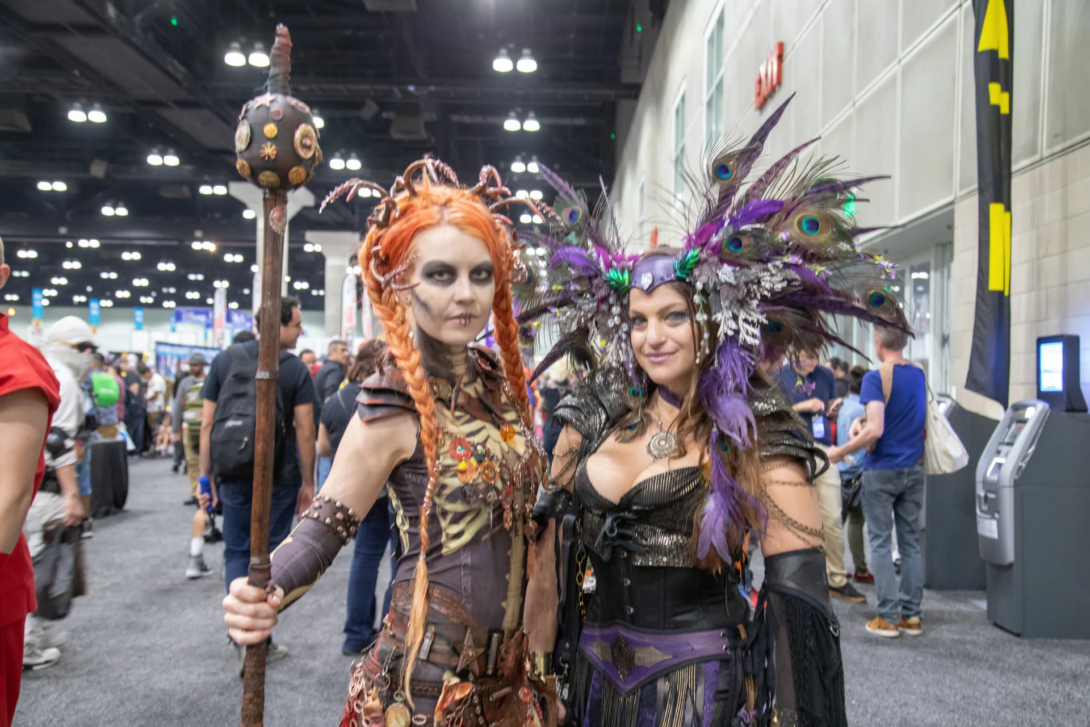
point(169, 304)
point(258, 57)
point(538, 221)
point(171, 159)
point(533, 167)
point(511, 123)
point(106, 303)
point(59, 281)
point(77, 114)
point(531, 123)
point(353, 163)
point(155, 158)
point(527, 64)
point(45, 186)
point(219, 190)
point(248, 214)
point(205, 189)
point(522, 194)
point(518, 166)
point(502, 62)
point(337, 162)
point(319, 122)
point(536, 194)
point(121, 210)
point(60, 187)
point(525, 219)
point(234, 56)
point(108, 209)
point(96, 115)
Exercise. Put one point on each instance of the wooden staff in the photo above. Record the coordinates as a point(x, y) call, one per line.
point(268, 374)
point(277, 148)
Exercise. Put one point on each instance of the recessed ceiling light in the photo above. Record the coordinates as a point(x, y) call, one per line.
point(526, 63)
point(234, 56)
point(502, 62)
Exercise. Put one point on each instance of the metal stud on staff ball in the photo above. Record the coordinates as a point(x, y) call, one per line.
point(277, 149)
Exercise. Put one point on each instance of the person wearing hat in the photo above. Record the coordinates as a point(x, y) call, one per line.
point(188, 406)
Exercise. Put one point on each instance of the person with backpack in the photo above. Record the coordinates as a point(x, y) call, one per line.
point(227, 443)
point(895, 397)
point(188, 409)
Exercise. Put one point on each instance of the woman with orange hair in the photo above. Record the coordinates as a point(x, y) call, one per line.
point(447, 426)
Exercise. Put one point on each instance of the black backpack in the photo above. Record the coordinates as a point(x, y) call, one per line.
point(235, 421)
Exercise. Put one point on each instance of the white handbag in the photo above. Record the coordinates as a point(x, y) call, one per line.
point(943, 452)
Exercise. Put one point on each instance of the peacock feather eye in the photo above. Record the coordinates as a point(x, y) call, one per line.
point(809, 225)
point(635, 392)
point(735, 243)
point(773, 327)
point(572, 215)
point(876, 299)
point(723, 172)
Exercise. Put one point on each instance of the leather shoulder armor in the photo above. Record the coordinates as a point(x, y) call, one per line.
point(383, 395)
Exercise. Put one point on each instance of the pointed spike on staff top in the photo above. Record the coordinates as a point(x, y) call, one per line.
point(280, 62)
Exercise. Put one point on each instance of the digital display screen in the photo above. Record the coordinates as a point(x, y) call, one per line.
point(1050, 364)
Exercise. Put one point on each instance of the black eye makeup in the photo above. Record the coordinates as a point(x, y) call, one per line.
point(439, 273)
point(482, 274)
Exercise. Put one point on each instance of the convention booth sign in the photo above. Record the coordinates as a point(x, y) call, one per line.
point(169, 356)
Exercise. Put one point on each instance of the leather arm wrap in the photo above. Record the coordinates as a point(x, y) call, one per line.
point(310, 549)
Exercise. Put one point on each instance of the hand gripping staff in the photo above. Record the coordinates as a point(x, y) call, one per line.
point(277, 148)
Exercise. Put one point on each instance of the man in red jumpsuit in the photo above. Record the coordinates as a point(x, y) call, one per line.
point(29, 394)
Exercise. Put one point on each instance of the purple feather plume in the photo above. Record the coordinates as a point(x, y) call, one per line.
point(758, 187)
point(722, 513)
point(704, 233)
point(576, 257)
point(753, 212)
point(769, 124)
point(841, 186)
point(558, 184)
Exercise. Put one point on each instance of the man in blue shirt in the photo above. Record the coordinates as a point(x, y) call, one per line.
point(810, 388)
point(893, 481)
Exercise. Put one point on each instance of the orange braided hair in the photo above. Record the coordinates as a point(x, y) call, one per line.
point(429, 204)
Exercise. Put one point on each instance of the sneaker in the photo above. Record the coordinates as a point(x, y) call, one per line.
point(174, 467)
point(912, 626)
point(847, 593)
point(213, 535)
point(864, 577)
point(197, 568)
point(51, 637)
point(883, 628)
point(88, 529)
point(36, 658)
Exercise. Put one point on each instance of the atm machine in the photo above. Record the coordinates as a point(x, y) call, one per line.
point(951, 556)
point(1033, 505)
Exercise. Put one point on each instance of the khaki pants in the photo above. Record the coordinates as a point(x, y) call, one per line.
point(828, 491)
point(192, 457)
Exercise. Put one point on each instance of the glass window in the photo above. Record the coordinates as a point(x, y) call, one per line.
point(918, 310)
point(713, 81)
point(679, 146)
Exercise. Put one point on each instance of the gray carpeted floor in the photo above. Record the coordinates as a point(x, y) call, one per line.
point(149, 647)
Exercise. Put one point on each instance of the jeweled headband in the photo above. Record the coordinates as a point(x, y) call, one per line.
point(651, 272)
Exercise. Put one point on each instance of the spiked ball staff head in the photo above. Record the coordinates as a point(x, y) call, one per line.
point(276, 142)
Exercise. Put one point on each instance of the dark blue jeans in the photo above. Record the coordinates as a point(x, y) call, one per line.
point(894, 498)
point(371, 538)
point(237, 500)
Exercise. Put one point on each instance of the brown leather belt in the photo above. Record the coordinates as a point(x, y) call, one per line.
point(445, 643)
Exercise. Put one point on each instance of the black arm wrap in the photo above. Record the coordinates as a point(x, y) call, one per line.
point(551, 506)
point(310, 549)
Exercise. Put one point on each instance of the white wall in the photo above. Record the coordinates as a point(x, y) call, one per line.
point(888, 84)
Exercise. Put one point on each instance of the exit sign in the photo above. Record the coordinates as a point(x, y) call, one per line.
point(769, 76)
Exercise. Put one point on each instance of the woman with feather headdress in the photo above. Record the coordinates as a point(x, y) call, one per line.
point(679, 449)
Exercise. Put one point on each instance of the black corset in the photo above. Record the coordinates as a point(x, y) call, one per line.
point(644, 562)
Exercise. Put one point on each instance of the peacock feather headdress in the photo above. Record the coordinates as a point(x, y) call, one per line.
point(767, 260)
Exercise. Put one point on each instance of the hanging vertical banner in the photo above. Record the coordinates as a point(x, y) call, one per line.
point(993, 61)
point(37, 307)
point(219, 316)
point(348, 307)
point(94, 313)
point(367, 318)
point(138, 318)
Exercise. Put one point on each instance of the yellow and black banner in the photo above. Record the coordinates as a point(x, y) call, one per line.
point(993, 66)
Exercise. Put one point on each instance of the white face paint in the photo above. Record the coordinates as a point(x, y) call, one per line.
point(455, 285)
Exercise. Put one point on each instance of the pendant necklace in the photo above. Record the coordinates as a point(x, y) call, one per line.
point(663, 444)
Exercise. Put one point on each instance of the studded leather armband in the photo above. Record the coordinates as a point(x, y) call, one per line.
point(301, 559)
